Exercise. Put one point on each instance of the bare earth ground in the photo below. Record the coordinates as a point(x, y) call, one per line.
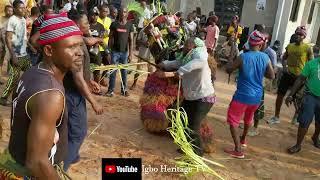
point(122, 135)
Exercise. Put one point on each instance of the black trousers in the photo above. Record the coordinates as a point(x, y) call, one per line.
point(196, 111)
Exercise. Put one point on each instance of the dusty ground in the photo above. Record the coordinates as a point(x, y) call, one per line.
point(122, 135)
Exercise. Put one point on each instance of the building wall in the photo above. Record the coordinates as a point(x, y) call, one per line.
point(315, 25)
point(188, 6)
point(250, 16)
point(284, 28)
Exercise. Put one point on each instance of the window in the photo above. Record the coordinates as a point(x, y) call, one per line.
point(294, 10)
point(311, 12)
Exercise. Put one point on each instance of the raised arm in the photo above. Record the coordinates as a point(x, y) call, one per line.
point(44, 117)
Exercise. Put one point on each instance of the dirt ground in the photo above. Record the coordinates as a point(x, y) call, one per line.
point(121, 134)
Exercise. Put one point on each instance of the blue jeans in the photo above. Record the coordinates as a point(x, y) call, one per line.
point(310, 109)
point(77, 125)
point(118, 58)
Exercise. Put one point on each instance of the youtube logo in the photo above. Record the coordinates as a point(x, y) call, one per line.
point(110, 169)
point(115, 168)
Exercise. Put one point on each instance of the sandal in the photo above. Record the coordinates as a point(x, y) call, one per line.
point(316, 142)
point(294, 149)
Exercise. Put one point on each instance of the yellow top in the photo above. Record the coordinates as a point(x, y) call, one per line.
point(297, 57)
point(106, 24)
point(30, 4)
point(232, 31)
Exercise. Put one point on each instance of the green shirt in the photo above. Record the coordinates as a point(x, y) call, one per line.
point(312, 72)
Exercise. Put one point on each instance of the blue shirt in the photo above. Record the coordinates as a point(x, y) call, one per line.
point(272, 55)
point(250, 81)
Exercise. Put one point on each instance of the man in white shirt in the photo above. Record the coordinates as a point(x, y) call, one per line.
point(147, 14)
point(16, 40)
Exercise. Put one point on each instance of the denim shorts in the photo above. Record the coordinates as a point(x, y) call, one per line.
point(310, 108)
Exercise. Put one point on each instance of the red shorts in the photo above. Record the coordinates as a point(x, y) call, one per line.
point(237, 110)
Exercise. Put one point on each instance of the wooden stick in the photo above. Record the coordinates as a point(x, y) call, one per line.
point(147, 61)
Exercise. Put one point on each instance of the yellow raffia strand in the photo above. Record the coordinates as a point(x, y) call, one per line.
point(179, 131)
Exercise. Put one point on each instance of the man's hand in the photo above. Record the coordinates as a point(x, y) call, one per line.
point(97, 108)
point(94, 86)
point(177, 75)
point(289, 100)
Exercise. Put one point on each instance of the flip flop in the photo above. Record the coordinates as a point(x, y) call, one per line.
point(294, 149)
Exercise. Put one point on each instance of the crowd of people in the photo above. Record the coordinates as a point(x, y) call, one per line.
point(54, 50)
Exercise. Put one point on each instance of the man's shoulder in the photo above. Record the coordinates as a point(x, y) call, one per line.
point(271, 51)
point(313, 61)
point(12, 19)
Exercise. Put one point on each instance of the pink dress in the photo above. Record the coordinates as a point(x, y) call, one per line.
point(212, 36)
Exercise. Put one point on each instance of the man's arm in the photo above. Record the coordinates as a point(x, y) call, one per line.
point(34, 40)
point(131, 35)
point(295, 88)
point(82, 86)
point(270, 72)
point(90, 41)
point(234, 65)
point(310, 54)
point(10, 47)
point(44, 117)
point(111, 39)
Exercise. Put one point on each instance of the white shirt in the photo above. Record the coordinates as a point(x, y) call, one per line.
point(196, 76)
point(18, 26)
point(67, 7)
point(192, 27)
point(147, 15)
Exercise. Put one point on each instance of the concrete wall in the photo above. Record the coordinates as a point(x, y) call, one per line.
point(284, 28)
point(250, 16)
point(188, 6)
point(315, 25)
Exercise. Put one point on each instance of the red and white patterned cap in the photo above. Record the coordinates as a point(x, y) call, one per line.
point(56, 28)
point(256, 38)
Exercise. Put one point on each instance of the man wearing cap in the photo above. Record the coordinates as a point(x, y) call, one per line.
point(39, 135)
point(294, 59)
point(253, 66)
point(16, 41)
